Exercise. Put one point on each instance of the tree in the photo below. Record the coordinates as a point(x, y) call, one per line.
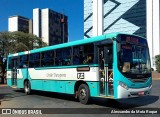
point(13, 42)
point(157, 63)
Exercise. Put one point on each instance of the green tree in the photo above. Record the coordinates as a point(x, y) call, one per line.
point(157, 63)
point(13, 42)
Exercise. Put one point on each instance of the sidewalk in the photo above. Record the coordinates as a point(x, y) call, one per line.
point(155, 78)
point(155, 75)
point(2, 85)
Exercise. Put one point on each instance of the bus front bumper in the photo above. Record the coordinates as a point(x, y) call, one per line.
point(130, 92)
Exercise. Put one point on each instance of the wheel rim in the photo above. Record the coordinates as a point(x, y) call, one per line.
point(82, 94)
point(26, 88)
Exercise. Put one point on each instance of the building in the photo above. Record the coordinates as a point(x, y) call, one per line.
point(153, 28)
point(117, 15)
point(51, 26)
point(140, 17)
point(19, 23)
point(31, 26)
point(37, 22)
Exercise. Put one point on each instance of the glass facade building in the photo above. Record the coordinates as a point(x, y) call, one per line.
point(118, 16)
point(139, 17)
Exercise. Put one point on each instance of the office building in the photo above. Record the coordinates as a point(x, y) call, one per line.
point(37, 22)
point(18, 23)
point(51, 26)
point(31, 26)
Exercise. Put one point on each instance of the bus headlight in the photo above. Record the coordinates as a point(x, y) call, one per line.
point(150, 85)
point(123, 85)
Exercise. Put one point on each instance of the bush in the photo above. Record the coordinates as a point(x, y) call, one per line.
point(157, 57)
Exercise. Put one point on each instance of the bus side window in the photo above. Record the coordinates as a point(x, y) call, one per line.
point(9, 63)
point(15, 62)
point(47, 58)
point(83, 54)
point(34, 60)
point(76, 57)
point(88, 54)
point(58, 57)
point(66, 56)
point(23, 61)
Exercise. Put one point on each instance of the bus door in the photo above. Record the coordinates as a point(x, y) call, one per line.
point(102, 71)
point(105, 60)
point(14, 71)
point(108, 57)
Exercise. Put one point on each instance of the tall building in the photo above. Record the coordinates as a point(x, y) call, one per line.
point(37, 22)
point(18, 23)
point(140, 17)
point(153, 28)
point(115, 17)
point(51, 26)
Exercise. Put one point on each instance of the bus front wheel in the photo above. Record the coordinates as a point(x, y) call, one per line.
point(83, 94)
point(27, 87)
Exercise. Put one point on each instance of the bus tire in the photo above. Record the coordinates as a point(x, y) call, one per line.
point(83, 94)
point(27, 87)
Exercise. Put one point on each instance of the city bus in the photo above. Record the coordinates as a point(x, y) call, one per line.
point(114, 66)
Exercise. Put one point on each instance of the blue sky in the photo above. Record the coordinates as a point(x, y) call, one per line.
point(72, 8)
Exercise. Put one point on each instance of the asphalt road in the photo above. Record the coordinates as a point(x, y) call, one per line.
point(15, 98)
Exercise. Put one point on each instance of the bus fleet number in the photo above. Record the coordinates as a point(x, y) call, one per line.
point(80, 75)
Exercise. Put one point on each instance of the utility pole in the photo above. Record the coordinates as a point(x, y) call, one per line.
point(63, 23)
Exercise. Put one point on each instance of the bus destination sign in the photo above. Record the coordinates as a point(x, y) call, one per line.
point(133, 39)
point(130, 39)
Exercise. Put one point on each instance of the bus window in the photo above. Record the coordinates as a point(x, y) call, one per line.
point(66, 56)
point(47, 58)
point(76, 55)
point(23, 61)
point(63, 57)
point(14, 62)
point(88, 54)
point(34, 60)
point(58, 58)
point(83, 54)
point(9, 63)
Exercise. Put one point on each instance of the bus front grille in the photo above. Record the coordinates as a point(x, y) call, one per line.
point(138, 79)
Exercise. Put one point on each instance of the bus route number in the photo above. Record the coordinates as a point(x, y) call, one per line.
point(80, 75)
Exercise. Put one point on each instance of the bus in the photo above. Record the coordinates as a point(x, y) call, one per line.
point(114, 66)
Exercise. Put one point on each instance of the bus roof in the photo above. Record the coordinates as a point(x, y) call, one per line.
point(73, 43)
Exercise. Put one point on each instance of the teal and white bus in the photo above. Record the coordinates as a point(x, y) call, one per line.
point(113, 66)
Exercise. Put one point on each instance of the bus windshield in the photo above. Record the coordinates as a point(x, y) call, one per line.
point(134, 59)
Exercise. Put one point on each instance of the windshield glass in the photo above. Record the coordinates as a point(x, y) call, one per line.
point(134, 59)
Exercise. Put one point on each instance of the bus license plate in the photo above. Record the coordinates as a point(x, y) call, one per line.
point(141, 93)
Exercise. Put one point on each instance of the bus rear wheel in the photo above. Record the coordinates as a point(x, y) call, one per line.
point(27, 87)
point(83, 94)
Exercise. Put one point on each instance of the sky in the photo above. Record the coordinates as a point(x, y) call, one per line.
point(72, 8)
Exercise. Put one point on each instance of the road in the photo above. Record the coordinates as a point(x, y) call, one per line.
point(15, 98)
